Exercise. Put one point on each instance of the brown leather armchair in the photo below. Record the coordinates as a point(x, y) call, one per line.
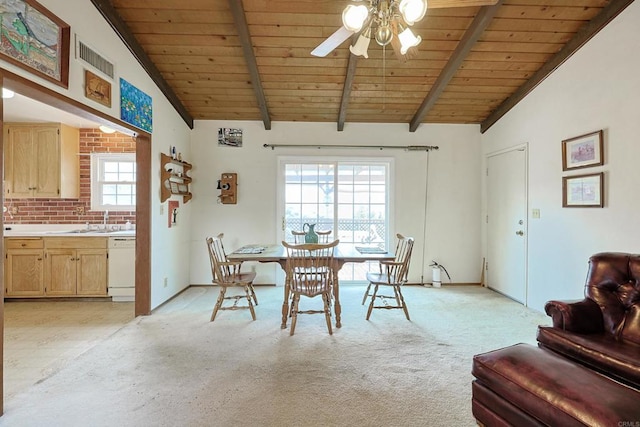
point(603, 330)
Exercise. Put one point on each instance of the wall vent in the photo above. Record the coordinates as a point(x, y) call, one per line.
point(93, 58)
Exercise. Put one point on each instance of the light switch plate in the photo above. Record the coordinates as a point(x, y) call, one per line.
point(535, 213)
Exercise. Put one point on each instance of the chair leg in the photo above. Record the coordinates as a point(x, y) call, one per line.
point(218, 303)
point(366, 294)
point(327, 311)
point(373, 299)
point(253, 294)
point(247, 292)
point(404, 305)
point(396, 290)
point(294, 313)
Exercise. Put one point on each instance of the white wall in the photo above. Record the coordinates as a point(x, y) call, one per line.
point(597, 88)
point(453, 224)
point(170, 252)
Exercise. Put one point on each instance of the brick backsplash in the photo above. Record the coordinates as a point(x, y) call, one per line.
point(75, 211)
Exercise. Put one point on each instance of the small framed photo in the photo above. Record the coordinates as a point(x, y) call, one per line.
point(583, 191)
point(582, 151)
point(174, 187)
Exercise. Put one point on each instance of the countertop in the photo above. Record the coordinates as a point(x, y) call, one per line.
point(65, 230)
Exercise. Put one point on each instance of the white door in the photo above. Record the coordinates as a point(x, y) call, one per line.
point(507, 223)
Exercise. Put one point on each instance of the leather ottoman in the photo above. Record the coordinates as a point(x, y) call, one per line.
point(523, 385)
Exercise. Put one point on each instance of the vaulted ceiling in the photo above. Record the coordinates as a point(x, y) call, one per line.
point(250, 59)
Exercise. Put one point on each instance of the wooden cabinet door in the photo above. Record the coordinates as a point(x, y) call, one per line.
point(60, 272)
point(19, 153)
point(46, 163)
point(92, 272)
point(24, 272)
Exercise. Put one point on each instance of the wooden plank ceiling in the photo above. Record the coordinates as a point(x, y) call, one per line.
point(196, 47)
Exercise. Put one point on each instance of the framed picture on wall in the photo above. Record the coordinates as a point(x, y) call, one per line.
point(97, 88)
point(583, 191)
point(35, 39)
point(582, 151)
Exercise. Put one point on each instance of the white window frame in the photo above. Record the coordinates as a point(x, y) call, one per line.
point(97, 162)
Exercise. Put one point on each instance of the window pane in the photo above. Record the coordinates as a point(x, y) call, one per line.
point(109, 200)
point(126, 167)
point(111, 167)
point(109, 189)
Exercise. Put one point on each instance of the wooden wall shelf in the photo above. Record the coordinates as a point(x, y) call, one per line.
point(174, 178)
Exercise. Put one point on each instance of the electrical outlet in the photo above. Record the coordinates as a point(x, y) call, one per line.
point(535, 213)
point(166, 282)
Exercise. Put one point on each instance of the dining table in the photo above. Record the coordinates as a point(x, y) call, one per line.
point(277, 253)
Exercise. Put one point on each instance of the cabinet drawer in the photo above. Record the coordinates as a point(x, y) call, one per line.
point(75, 242)
point(35, 243)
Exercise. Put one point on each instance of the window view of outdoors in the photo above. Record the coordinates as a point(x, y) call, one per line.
point(346, 197)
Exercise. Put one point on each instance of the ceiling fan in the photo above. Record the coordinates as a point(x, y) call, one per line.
point(388, 21)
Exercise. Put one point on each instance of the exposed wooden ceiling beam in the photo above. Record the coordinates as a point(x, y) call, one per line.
point(470, 37)
point(249, 55)
point(583, 35)
point(346, 90)
point(122, 30)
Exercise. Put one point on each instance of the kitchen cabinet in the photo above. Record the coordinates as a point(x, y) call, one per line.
point(56, 267)
point(41, 160)
point(24, 267)
point(76, 266)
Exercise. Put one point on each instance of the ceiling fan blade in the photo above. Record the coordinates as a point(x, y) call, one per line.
point(332, 42)
point(437, 4)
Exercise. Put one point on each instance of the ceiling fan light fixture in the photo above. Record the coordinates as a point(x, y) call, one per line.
point(353, 17)
point(412, 10)
point(384, 34)
point(408, 40)
point(362, 44)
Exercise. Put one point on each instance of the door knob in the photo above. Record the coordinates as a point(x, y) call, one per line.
point(520, 233)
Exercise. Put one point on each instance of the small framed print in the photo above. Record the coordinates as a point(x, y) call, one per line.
point(97, 89)
point(174, 187)
point(583, 191)
point(582, 151)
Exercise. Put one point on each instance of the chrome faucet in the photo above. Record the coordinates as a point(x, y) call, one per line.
point(105, 219)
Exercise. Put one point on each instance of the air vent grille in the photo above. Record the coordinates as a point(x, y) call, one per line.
point(94, 59)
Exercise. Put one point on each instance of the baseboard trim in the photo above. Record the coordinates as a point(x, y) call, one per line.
point(430, 285)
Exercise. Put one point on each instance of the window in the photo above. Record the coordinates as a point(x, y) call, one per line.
point(113, 181)
point(350, 197)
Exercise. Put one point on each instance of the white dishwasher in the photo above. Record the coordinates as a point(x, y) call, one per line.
point(122, 268)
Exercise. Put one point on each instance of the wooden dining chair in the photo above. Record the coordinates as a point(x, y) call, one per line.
point(391, 274)
point(226, 274)
point(310, 273)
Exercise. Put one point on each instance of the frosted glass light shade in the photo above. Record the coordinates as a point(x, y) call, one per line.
point(413, 10)
point(408, 40)
point(106, 129)
point(361, 46)
point(353, 17)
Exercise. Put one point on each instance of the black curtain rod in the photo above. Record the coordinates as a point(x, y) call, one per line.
point(369, 147)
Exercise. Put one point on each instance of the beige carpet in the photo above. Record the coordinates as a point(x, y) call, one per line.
point(175, 368)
